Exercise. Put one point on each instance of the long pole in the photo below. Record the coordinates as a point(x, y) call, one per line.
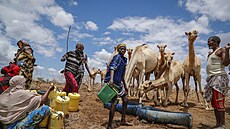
point(67, 39)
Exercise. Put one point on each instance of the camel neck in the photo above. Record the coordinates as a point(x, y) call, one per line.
point(191, 52)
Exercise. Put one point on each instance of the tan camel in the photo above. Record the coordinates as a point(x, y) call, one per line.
point(102, 73)
point(129, 51)
point(159, 71)
point(172, 74)
point(192, 67)
point(144, 60)
point(94, 72)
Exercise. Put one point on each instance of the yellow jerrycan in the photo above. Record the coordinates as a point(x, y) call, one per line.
point(44, 123)
point(59, 93)
point(74, 101)
point(52, 94)
point(62, 104)
point(56, 120)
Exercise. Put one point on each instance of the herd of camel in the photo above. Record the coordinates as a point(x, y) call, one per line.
point(143, 61)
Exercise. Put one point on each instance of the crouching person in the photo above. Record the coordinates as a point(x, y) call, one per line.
point(21, 109)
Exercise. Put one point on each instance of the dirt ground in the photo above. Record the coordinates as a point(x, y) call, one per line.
point(92, 114)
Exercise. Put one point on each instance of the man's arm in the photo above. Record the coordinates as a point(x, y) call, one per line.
point(111, 83)
point(87, 68)
point(225, 55)
point(64, 57)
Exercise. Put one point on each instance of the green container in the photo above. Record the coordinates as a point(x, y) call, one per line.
point(107, 93)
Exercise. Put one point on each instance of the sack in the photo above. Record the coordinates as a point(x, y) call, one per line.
point(107, 93)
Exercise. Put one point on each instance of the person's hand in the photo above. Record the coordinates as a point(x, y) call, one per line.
point(111, 83)
point(51, 87)
point(62, 59)
point(227, 46)
point(126, 90)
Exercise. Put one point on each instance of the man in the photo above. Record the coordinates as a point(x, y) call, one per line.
point(217, 80)
point(25, 59)
point(115, 77)
point(74, 68)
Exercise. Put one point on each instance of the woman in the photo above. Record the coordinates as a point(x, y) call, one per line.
point(20, 108)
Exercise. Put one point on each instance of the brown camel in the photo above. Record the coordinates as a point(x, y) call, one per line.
point(130, 51)
point(144, 60)
point(172, 74)
point(192, 67)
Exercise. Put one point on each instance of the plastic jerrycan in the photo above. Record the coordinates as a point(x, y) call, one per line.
point(56, 120)
point(44, 122)
point(62, 104)
point(74, 101)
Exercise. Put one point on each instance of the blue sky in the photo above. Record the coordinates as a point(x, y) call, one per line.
point(102, 24)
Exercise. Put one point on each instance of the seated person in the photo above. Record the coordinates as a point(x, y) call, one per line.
point(22, 109)
point(8, 72)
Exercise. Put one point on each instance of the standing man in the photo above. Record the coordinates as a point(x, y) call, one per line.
point(217, 80)
point(25, 60)
point(115, 77)
point(74, 68)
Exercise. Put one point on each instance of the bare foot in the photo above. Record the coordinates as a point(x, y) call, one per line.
point(126, 124)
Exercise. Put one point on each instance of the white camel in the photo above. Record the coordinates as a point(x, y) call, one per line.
point(144, 60)
point(170, 77)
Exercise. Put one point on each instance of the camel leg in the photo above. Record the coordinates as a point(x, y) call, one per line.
point(137, 87)
point(196, 89)
point(177, 92)
point(168, 92)
point(186, 90)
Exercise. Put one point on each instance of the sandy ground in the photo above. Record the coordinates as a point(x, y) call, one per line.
point(92, 114)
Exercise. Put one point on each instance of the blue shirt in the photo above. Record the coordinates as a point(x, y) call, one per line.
point(118, 64)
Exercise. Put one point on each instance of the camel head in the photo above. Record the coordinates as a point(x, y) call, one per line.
point(130, 51)
point(168, 58)
point(161, 47)
point(192, 35)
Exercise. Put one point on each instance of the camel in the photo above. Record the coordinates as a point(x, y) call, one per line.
point(159, 71)
point(130, 51)
point(192, 67)
point(102, 73)
point(172, 74)
point(144, 60)
point(94, 72)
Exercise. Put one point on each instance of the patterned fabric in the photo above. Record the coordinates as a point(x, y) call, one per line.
point(32, 120)
point(27, 68)
point(218, 100)
point(118, 64)
point(4, 83)
point(74, 61)
point(217, 82)
point(71, 83)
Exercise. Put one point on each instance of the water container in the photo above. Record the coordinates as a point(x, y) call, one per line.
point(44, 123)
point(59, 93)
point(74, 101)
point(56, 120)
point(52, 94)
point(62, 104)
point(107, 93)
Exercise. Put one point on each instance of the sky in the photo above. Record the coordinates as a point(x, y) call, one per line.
point(102, 24)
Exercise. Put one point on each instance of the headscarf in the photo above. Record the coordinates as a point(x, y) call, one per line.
point(16, 102)
point(120, 45)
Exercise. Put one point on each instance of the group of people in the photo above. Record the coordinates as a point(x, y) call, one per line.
point(18, 108)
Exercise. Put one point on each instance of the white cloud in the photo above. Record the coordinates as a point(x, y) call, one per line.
point(21, 20)
point(104, 41)
point(91, 26)
point(215, 9)
point(52, 70)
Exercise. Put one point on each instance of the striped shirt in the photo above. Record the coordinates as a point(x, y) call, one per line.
point(74, 62)
point(118, 64)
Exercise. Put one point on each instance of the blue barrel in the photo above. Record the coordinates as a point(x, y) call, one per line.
point(131, 107)
point(165, 117)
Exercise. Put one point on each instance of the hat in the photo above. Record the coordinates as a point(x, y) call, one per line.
point(120, 45)
point(215, 39)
